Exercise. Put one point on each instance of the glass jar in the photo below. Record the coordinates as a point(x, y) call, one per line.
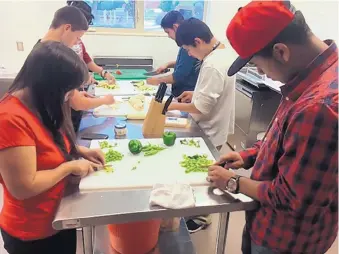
point(120, 129)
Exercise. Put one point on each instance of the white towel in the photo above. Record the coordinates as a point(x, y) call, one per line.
point(174, 196)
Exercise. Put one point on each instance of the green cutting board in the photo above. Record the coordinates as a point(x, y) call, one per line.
point(125, 74)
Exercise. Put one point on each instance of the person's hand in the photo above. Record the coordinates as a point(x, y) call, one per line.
point(153, 81)
point(110, 78)
point(108, 99)
point(81, 168)
point(93, 155)
point(161, 69)
point(186, 97)
point(219, 176)
point(233, 160)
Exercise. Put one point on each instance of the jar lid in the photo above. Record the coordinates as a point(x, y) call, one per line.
point(120, 126)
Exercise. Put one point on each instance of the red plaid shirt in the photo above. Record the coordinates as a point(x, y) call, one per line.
point(297, 163)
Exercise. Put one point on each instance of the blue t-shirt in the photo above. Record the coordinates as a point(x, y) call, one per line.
point(185, 73)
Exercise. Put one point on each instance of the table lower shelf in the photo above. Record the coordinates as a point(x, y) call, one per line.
point(169, 242)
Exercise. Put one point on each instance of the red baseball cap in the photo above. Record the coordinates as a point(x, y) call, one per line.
point(254, 26)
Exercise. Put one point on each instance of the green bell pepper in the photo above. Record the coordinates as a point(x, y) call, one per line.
point(135, 146)
point(169, 138)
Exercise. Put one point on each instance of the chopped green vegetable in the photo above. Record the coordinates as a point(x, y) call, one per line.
point(150, 153)
point(135, 146)
point(109, 169)
point(134, 168)
point(150, 149)
point(169, 138)
point(190, 142)
point(113, 155)
point(141, 86)
point(196, 163)
point(106, 144)
point(105, 85)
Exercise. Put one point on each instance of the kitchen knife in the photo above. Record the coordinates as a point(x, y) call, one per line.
point(157, 93)
point(154, 73)
point(161, 92)
point(167, 103)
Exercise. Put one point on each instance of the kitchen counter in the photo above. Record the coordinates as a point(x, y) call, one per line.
point(273, 85)
point(95, 208)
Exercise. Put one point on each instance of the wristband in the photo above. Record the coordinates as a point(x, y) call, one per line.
point(103, 73)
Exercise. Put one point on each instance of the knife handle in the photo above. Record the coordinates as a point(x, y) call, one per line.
point(159, 92)
point(163, 89)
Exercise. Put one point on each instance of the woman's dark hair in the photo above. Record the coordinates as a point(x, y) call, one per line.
point(297, 32)
point(171, 18)
point(50, 71)
point(72, 16)
point(191, 29)
point(85, 8)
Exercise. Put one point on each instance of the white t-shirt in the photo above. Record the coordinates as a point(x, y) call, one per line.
point(214, 97)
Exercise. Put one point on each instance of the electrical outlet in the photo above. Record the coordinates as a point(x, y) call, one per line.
point(20, 46)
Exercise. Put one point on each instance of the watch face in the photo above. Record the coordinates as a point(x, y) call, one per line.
point(232, 185)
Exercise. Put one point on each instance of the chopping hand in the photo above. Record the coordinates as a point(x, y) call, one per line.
point(186, 97)
point(223, 165)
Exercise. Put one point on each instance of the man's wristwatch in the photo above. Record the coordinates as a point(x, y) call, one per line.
point(232, 184)
point(103, 73)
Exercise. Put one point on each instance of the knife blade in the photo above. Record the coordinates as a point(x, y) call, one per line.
point(167, 103)
point(154, 73)
point(163, 91)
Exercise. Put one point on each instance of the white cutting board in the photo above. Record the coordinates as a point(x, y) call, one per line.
point(125, 88)
point(163, 167)
point(122, 108)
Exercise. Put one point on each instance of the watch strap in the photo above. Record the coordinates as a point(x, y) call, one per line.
point(103, 73)
point(237, 179)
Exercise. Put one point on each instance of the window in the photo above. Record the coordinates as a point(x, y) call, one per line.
point(113, 14)
point(139, 16)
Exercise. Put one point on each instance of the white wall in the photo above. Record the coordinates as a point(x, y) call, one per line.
point(321, 16)
point(28, 20)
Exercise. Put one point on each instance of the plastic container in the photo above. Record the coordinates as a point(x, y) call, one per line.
point(134, 238)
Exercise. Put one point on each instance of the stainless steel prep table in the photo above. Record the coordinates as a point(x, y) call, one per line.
point(95, 208)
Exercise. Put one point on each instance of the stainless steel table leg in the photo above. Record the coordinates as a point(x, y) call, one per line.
point(222, 233)
point(88, 240)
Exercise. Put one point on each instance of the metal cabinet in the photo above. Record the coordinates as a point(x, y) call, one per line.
point(124, 62)
point(254, 109)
